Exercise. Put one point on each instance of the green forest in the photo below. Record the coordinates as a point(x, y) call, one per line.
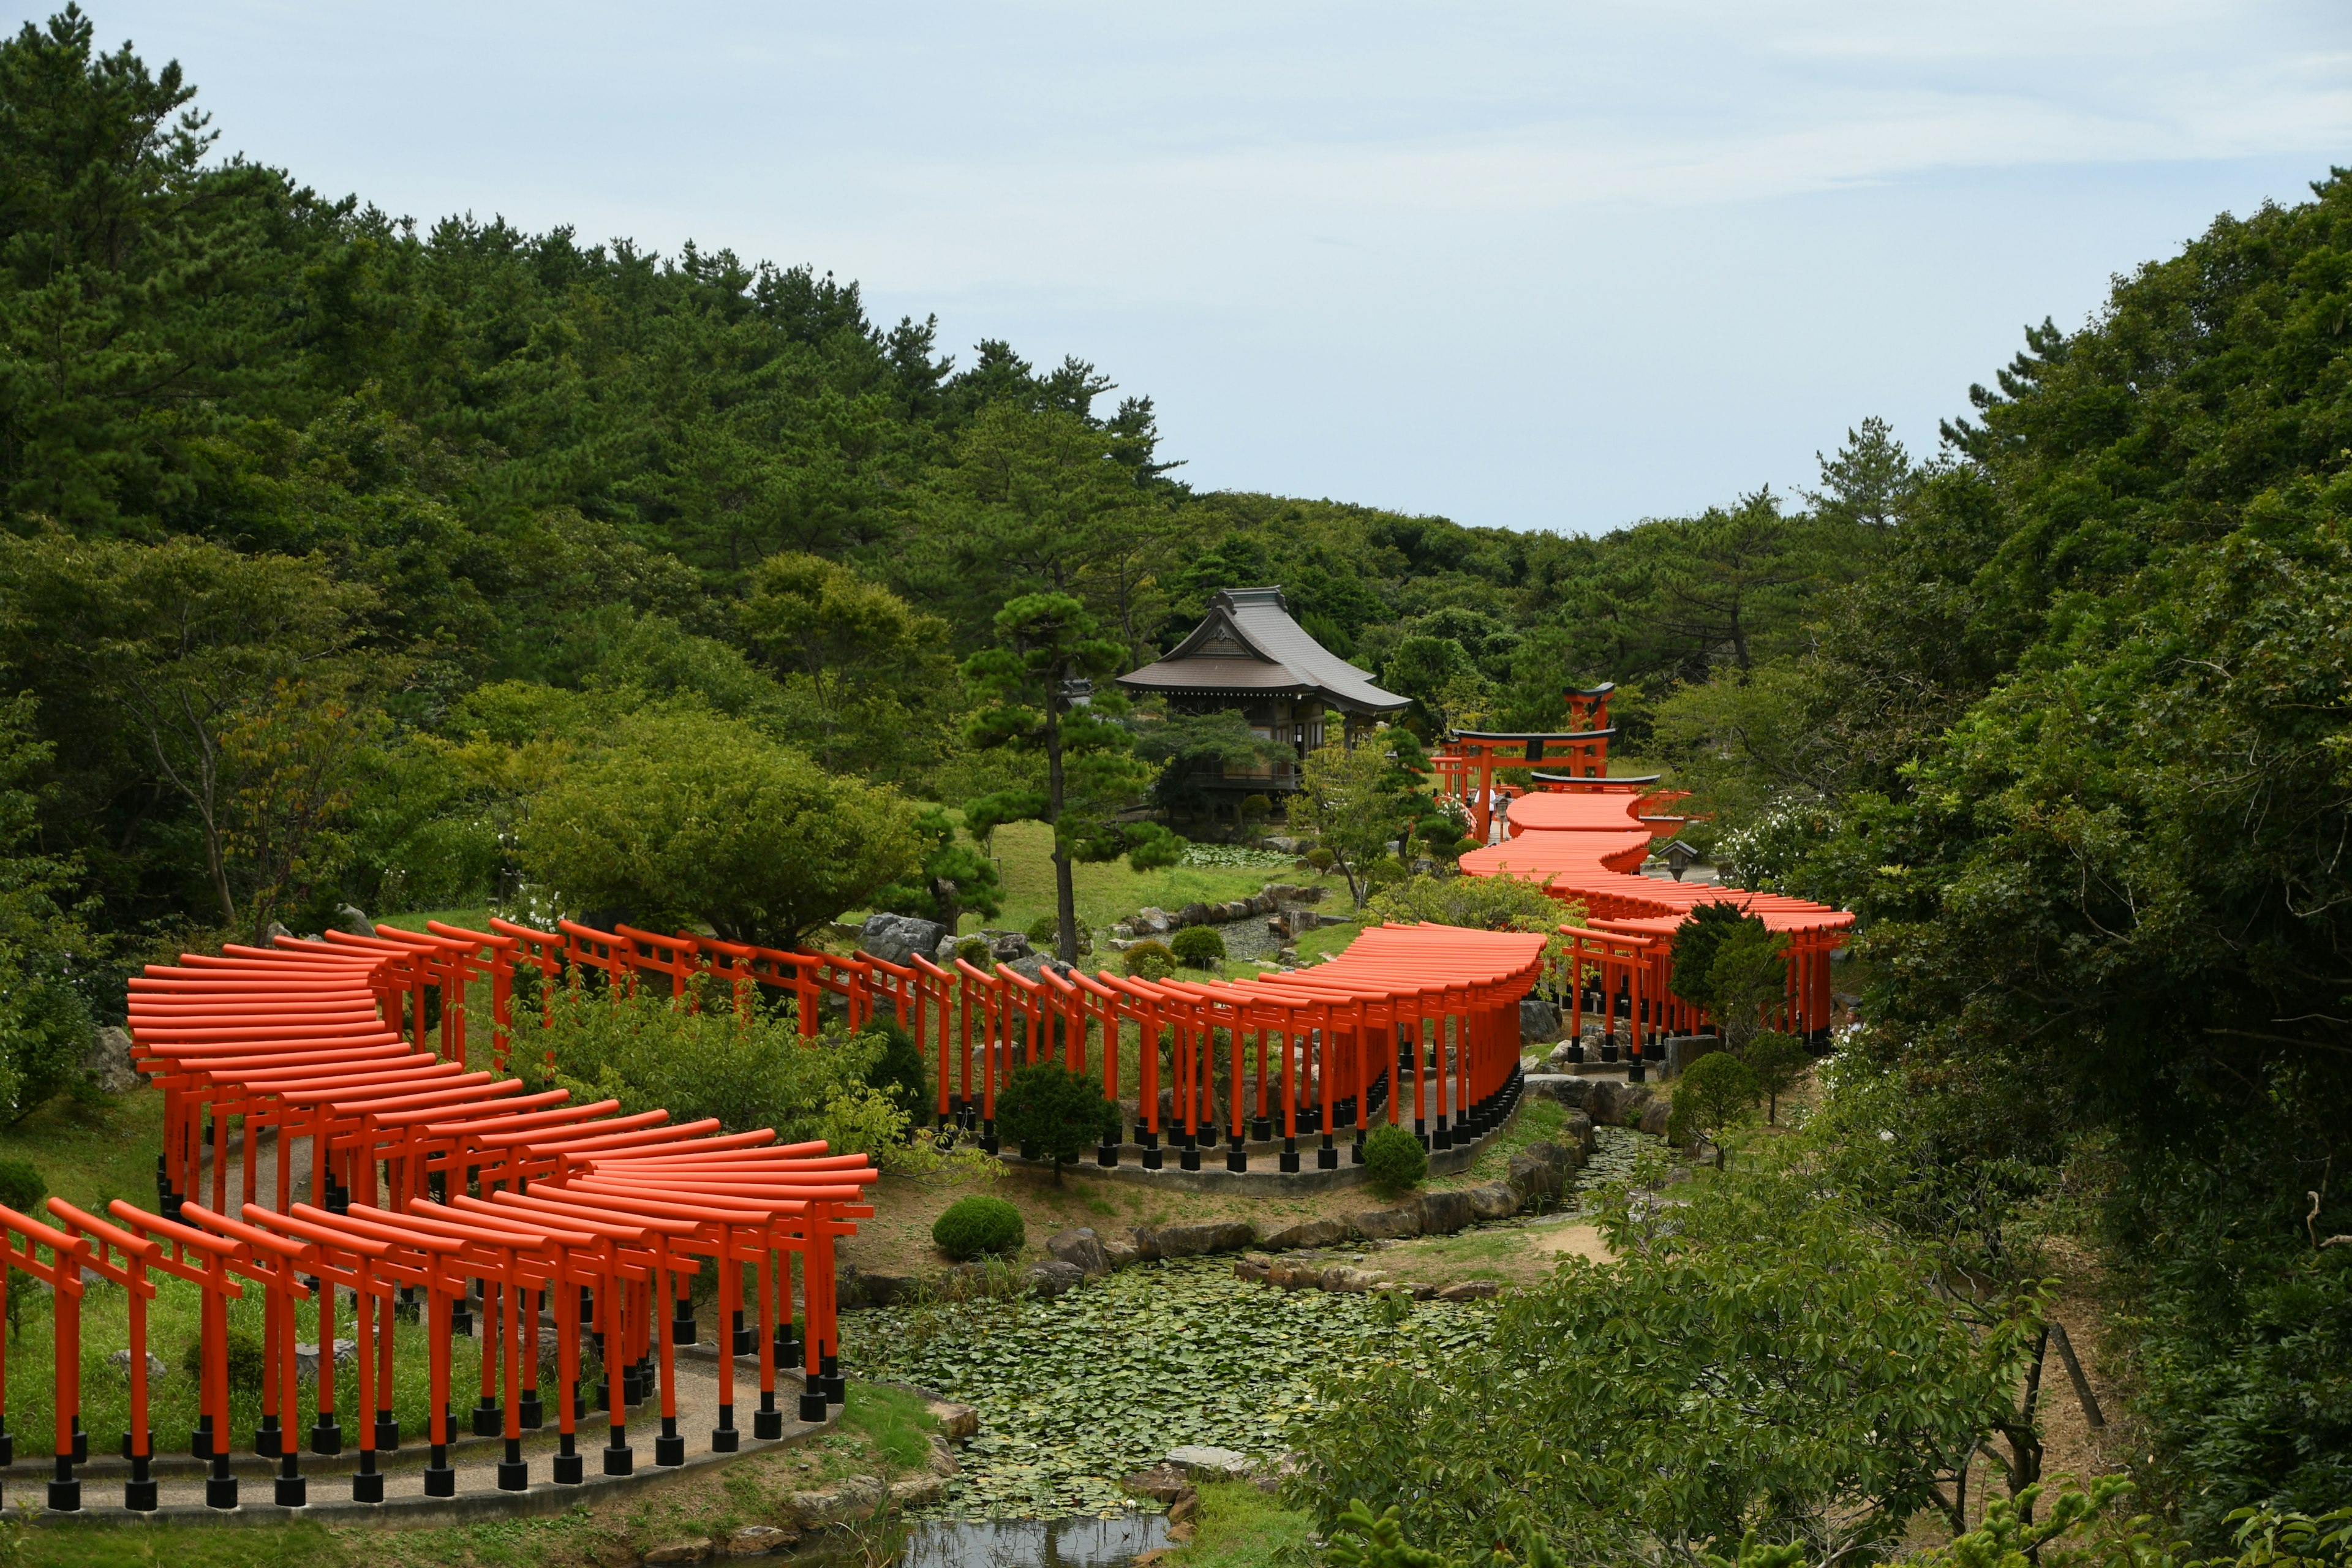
point(348, 559)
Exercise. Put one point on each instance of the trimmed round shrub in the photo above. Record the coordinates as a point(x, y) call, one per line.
point(1394, 1162)
point(1151, 961)
point(1198, 946)
point(1321, 859)
point(1256, 808)
point(975, 1226)
point(973, 950)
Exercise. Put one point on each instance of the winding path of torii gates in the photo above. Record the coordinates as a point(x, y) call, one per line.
point(1584, 835)
point(435, 1174)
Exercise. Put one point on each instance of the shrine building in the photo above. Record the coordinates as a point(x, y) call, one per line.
point(1248, 655)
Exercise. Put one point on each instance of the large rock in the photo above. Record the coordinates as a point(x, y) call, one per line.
point(121, 1362)
point(1654, 1117)
point(1538, 1019)
point(1617, 1104)
point(1151, 921)
point(916, 1491)
point(1081, 1249)
point(956, 1422)
point(1121, 1249)
point(1054, 1278)
point(1008, 946)
point(856, 1498)
point(1197, 1240)
point(942, 1460)
point(106, 1060)
point(759, 1539)
point(1380, 1224)
point(353, 921)
point(1533, 1178)
point(694, 1549)
point(1161, 1483)
point(855, 1287)
point(1345, 1278)
point(1492, 1200)
point(895, 939)
point(1203, 1463)
point(1681, 1050)
point(1578, 1129)
point(1195, 914)
point(1565, 1088)
point(1305, 1233)
point(1444, 1212)
point(1470, 1290)
point(306, 1359)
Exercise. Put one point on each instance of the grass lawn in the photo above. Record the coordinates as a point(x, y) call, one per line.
point(1241, 1527)
point(1109, 891)
point(91, 1154)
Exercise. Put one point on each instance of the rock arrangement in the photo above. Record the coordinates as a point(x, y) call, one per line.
point(1274, 899)
point(1175, 1481)
point(1606, 1100)
point(1539, 1172)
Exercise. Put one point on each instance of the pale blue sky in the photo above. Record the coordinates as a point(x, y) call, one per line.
point(1543, 265)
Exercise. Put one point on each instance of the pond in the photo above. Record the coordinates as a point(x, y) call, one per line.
point(1077, 1393)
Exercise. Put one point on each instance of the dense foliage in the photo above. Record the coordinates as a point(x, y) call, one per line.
point(2075, 747)
point(1052, 1113)
point(1766, 1357)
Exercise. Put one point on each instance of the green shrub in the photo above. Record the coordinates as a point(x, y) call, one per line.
point(899, 1071)
point(1053, 1113)
point(655, 1052)
point(1322, 860)
point(1256, 808)
point(1716, 1091)
point(1151, 961)
point(974, 950)
point(1777, 1060)
point(1394, 1160)
point(1198, 946)
point(1044, 935)
point(245, 1358)
point(974, 1226)
point(21, 1187)
point(1439, 835)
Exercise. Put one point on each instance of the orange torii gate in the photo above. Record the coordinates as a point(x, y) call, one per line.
point(1585, 844)
point(359, 1045)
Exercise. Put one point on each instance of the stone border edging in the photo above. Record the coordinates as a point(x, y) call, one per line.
point(471, 1508)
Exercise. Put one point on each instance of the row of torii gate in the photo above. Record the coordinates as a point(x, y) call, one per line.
point(1545, 810)
point(439, 1188)
point(434, 1181)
